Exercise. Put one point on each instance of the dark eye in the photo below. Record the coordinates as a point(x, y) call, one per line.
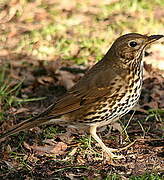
point(133, 44)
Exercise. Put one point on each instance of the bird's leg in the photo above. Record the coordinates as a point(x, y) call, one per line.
point(106, 149)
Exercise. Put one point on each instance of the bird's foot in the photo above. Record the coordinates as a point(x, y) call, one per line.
point(124, 148)
point(110, 153)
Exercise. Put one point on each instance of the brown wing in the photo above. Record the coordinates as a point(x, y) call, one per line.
point(92, 87)
point(72, 102)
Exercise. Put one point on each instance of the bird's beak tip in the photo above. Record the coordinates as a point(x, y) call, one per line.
point(153, 38)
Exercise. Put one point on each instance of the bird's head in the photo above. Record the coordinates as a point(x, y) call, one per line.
point(131, 46)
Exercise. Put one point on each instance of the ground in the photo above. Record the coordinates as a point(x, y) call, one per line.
point(43, 53)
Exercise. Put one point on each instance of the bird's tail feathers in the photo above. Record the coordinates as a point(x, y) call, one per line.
point(27, 124)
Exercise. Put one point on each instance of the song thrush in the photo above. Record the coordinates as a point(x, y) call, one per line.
point(108, 91)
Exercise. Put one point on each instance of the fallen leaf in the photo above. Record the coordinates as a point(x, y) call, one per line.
point(45, 79)
point(20, 110)
point(66, 79)
point(55, 148)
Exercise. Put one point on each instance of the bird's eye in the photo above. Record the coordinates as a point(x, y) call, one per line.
point(133, 44)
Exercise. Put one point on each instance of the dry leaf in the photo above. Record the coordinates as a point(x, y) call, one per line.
point(66, 79)
point(45, 79)
point(55, 148)
point(20, 110)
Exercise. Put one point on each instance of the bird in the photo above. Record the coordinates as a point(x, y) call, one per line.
point(108, 91)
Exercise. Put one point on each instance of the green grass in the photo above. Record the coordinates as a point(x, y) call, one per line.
point(113, 177)
point(7, 93)
point(150, 176)
point(50, 132)
point(156, 114)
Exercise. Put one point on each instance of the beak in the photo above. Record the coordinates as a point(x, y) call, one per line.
point(154, 38)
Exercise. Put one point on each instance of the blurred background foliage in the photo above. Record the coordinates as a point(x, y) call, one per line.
point(78, 30)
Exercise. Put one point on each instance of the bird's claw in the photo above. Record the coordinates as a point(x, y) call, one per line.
point(110, 154)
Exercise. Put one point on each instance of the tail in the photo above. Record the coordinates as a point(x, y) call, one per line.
point(29, 123)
